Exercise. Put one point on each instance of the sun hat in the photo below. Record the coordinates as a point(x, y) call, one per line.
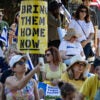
point(54, 5)
point(15, 59)
point(70, 33)
point(76, 59)
point(1, 13)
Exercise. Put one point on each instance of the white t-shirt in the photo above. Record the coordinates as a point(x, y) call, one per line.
point(87, 27)
point(71, 48)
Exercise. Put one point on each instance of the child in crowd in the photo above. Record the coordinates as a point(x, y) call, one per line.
point(68, 91)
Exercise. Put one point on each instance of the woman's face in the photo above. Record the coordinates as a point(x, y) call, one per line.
point(48, 56)
point(73, 39)
point(79, 67)
point(82, 13)
point(20, 66)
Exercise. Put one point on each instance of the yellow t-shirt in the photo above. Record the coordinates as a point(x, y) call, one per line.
point(77, 83)
point(54, 74)
point(90, 87)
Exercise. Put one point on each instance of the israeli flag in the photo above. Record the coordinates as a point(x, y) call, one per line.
point(4, 36)
point(16, 34)
point(31, 66)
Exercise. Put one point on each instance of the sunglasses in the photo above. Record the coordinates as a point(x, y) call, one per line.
point(83, 11)
point(47, 55)
point(21, 62)
point(81, 64)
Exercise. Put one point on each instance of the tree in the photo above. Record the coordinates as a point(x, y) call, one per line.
point(10, 8)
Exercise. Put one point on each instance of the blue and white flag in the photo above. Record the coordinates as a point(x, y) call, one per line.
point(4, 36)
point(16, 34)
point(31, 66)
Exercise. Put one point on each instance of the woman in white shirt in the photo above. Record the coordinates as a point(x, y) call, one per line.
point(83, 25)
point(70, 47)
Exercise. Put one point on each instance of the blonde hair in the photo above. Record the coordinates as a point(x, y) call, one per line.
point(71, 75)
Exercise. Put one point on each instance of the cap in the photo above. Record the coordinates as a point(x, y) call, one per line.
point(15, 59)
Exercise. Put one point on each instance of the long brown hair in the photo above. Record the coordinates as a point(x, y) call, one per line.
point(77, 16)
point(56, 55)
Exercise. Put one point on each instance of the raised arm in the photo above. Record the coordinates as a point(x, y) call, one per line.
point(22, 83)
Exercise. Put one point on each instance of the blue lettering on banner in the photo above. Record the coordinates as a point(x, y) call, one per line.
point(49, 90)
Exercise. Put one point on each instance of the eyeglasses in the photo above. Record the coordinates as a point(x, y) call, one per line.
point(81, 64)
point(83, 11)
point(21, 62)
point(47, 55)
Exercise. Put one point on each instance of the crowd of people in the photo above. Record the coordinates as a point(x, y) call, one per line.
point(69, 61)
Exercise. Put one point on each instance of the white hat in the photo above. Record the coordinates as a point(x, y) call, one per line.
point(15, 59)
point(70, 33)
point(1, 13)
point(75, 59)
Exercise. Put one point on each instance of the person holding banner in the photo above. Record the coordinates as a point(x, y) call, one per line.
point(20, 86)
point(54, 21)
point(54, 68)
